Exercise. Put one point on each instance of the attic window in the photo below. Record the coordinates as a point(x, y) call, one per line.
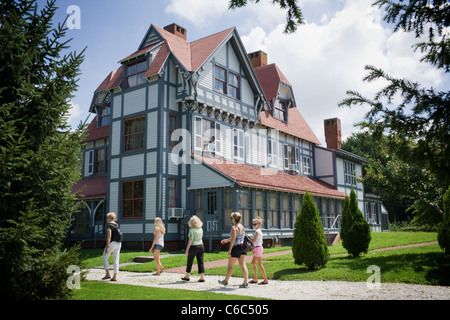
point(220, 83)
point(280, 110)
point(135, 74)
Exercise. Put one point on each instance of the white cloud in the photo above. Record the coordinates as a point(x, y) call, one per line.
point(74, 115)
point(198, 12)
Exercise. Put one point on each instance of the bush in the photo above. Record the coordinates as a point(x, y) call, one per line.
point(444, 228)
point(309, 245)
point(355, 231)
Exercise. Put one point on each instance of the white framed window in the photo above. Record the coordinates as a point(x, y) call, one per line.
point(207, 136)
point(89, 163)
point(291, 158)
point(306, 165)
point(238, 144)
point(350, 173)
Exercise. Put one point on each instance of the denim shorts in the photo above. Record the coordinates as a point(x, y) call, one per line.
point(158, 247)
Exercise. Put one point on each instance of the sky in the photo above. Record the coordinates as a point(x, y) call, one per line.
point(322, 60)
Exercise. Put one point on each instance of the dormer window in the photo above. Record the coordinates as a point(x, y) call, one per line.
point(104, 116)
point(279, 111)
point(135, 74)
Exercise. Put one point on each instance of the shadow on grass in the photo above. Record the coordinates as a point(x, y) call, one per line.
point(432, 268)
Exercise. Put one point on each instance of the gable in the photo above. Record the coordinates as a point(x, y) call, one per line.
point(151, 38)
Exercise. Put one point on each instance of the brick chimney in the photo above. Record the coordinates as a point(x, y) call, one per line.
point(258, 58)
point(333, 133)
point(177, 30)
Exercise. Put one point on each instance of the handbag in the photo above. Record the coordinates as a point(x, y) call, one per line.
point(247, 245)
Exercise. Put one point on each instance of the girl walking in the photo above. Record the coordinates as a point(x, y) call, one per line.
point(158, 245)
point(258, 252)
point(235, 251)
point(195, 248)
point(113, 246)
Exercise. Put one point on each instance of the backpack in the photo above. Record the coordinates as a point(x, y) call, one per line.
point(116, 235)
point(247, 245)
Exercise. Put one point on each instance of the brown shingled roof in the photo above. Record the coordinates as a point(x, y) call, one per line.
point(88, 188)
point(252, 176)
point(270, 76)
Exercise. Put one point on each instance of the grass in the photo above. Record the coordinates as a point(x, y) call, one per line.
point(419, 265)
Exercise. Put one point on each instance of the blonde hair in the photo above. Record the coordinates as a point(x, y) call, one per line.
point(111, 216)
point(195, 222)
point(159, 224)
point(236, 216)
point(258, 220)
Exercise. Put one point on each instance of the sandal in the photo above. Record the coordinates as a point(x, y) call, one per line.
point(262, 282)
point(106, 278)
point(201, 280)
point(186, 279)
point(253, 281)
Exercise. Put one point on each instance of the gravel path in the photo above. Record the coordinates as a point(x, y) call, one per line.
point(284, 290)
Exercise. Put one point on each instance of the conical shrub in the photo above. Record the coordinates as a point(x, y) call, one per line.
point(355, 231)
point(309, 245)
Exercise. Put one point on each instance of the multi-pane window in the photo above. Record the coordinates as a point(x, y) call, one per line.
point(135, 74)
point(104, 116)
point(280, 110)
point(274, 208)
point(100, 161)
point(291, 158)
point(220, 83)
point(134, 133)
point(260, 204)
point(350, 173)
point(234, 85)
point(226, 82)
point(172, 193)
point(286, 212)
point(207, 137)
point(173, 125)
point(238, 144)
point(306, 165)
point(244, 207)
point(199, 204)
point(133, 199)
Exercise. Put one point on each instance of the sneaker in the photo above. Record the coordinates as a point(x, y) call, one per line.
point(244, 285)
point(223, 282)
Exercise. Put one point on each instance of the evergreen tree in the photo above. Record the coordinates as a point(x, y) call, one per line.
point(309, 245)
point(444, 229)
point(355, 231)
point(39, 155)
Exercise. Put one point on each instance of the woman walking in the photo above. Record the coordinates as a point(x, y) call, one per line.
point(258, 252)
point(195, 249)
point(158, 245)
point(235, 251)
point(113, 246)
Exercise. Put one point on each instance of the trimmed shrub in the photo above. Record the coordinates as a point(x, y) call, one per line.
point(355, 231)
point(309, 245)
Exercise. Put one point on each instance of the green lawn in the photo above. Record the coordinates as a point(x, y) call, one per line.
point(419, 265)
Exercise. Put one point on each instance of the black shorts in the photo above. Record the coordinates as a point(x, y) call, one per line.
point(236, 251)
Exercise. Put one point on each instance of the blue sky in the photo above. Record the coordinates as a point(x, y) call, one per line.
point(322, 60)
